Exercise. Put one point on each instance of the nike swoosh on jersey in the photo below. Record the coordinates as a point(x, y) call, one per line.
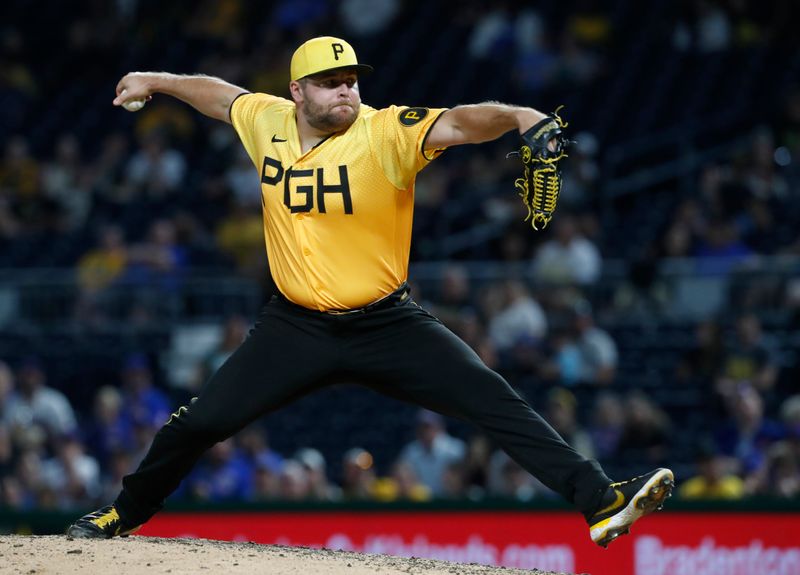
point(277, 139)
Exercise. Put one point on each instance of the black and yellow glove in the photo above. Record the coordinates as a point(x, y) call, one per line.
point(540, 183)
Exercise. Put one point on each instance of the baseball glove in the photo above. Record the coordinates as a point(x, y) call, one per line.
point(540, 183)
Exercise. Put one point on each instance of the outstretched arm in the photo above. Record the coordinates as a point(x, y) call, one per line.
point(210, 96)
point(476, 123)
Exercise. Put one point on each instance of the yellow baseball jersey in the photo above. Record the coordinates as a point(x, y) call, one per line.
point(337, 219)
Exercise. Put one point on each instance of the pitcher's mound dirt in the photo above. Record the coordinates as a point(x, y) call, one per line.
point(37, 555)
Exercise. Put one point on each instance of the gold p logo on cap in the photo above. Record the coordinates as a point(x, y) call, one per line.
point(324, 53)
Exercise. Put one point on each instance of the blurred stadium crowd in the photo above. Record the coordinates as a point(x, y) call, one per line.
point(653, 326)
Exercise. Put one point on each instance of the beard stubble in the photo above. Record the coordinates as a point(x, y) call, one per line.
point(326, 120)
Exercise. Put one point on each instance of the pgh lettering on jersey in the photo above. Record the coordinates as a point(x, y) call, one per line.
point(272, 173)
point(354, 188)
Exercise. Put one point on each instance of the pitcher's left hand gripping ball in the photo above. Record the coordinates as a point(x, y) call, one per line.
point(543, 145)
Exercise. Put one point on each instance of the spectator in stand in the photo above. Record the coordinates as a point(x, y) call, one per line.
point(568, 258)
point(485, 349)
point(492, 34)
point(704, 26)
point(721, 250)
point(98, 270)
point(787, 130)
point(564, 364)
point(476, 465)
point(6, 464)
point(520, 319)
point(760, 229)
point(294, 17)
point(607, 425)
point(154, 273)
point(24, 487)
point(7, 394)
point(401, 484)
point(561, 413)
point(598, 352)
point(701, 362)
point(233, 334)
point(454, 482)
point(367, 18)
point(111, 189)
point(243, 182)
point(713, 480)
point(167, 122)
point(10, 228)
point(577, 66)
point(432, 451)
point(118, 466)
point(38, 404)
point(646, 435)
point(787, 135)
point(65, 182)
point(253, 444)
point(19, 86)
point(160, 260)
point(319, 488)
point(644, 293)
point(676, 242)
point(19, 172)
point(104, 264)
point(143, 433)
point(693, 213)
point(791, 302)
point(358, 475)
point(590, 25)
point(222, 475)
point(240, 234)
point(156, 169)
point(72, 476)
point(751, 358)
point(782, 471)
point(763, 178)
point(536, 64)
point(581, 174)
point(454, 302)
point(110, 430)
point(293, 483)
point(143, 403)
point(508, 480)
point(266, 480)
point(781, 474)
point(712, 27)
point(213, 20)
point(746, 436)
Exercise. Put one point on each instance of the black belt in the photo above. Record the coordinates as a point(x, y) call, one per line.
point(401, 294)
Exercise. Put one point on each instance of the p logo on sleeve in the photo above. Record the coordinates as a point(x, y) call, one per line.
point(411, 116)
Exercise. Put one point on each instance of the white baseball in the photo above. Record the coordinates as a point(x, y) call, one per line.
point(133, 105)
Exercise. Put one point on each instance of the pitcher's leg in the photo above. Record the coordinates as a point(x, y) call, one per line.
point(271, 368)
point(424, 362)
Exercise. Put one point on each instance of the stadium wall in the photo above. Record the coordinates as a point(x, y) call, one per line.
point(752, 537)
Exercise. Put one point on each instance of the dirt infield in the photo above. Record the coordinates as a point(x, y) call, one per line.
point(36, 555)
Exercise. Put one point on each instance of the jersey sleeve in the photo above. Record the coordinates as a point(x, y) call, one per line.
point(245, 111)
point(398, 136)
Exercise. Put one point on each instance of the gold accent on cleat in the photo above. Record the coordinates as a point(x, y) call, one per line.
point(106, 518)
point(618, 502)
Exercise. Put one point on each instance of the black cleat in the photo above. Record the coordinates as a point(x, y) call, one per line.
point(625, 502)
point(104, 523)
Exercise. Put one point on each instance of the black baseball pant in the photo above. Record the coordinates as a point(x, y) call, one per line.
point(394, 347)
